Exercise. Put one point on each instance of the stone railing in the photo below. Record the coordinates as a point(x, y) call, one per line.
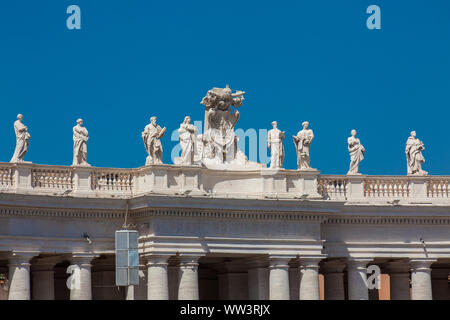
point(28, 178)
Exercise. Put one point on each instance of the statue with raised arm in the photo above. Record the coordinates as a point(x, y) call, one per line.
point(302, 143)
point(414, 157)
point(22, 140)
point(188, 137)
point(80, 138)
point(275, 139)
point(151, 135)
point(356, 150)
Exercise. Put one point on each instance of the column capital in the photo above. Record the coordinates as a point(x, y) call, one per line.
point(257, 262)
point(311, 261)
point(421, 264)
point(158, 260)
point(334, 266)
point(189, 260)
point(83, 258)
point(358, 263)
point(22, 257)
point(397, 267)
point(279, 261)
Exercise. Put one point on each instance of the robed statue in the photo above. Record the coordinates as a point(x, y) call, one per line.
point(302, 143)
point(22, 140)
point(275, 139)
point(356, 150)
point(151, 135)
point(188, 137)
point(414, 157)
point(80, 138)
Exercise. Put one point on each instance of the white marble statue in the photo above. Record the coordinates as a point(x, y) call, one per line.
point(188, 137)
point(151, 135)
point(219, 143)
point(356, 150)
point(302, 143)
point(414, 157)
point(22, 140)
point(80, 138)
point(275, 139)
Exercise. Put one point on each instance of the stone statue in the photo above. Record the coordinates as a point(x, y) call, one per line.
point(188, 137)
point(303, 145)
point(80, 138)
point(22, 140)
point(218, 148)
point(356, 150)
point(151, 135)
point(275, 139)
point(414, 157)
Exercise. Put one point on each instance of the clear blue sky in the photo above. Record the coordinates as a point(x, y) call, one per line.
point(297, 60)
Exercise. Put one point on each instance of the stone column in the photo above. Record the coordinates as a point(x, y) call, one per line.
point(333, 273)
point(173, 273)
point(421, 279)
point(399, 280)
point(139, 292)
point(19, 275)
point(43, 281)
point(158, 284)
point(294, 279)
point(258, 279)
point(80, 280)
point(188, 278)
point(309, 278)
point(440, 284)
point(357, 279)
point(279, 278)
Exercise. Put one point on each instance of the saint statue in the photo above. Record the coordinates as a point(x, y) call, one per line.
point(303, 145)
point(188, 137)
point(151, 135)
point(414, 157)
point(80, 138)
point(22, 140)
point(356, 150)
point(275, 139)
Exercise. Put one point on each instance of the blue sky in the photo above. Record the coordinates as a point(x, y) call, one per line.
point(297, 60)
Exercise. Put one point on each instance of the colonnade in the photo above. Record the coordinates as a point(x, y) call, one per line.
point(272, 277)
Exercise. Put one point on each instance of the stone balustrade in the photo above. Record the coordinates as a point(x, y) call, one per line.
point(197, 181)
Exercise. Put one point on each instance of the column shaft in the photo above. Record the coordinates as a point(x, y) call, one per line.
point(279, 279)
point(309, 278)
point(19, 278)
point(334, 280)
point(43, 283)
point(357, 279)
point(157, 285)
point(188, 278)
point(80, 281)
point(421, 279)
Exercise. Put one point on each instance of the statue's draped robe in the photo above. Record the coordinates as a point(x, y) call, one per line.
point(275, 140)
point(187, 142)
point(414, 157)
point(153, 145)
point(303, 145)
point(80, 138)
point(356, 150)
point(22, 141)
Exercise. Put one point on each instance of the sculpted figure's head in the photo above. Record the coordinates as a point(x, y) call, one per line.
point(187, 119)
point(413, 134)
point(305, 125)
point(19, 117)
point(153, 120)
point(353, 133)
point(80, 121)
point(274, 124)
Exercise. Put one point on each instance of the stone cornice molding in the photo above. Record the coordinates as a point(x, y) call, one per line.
point(227, 214)
point(389, 220)
point(61, 213)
